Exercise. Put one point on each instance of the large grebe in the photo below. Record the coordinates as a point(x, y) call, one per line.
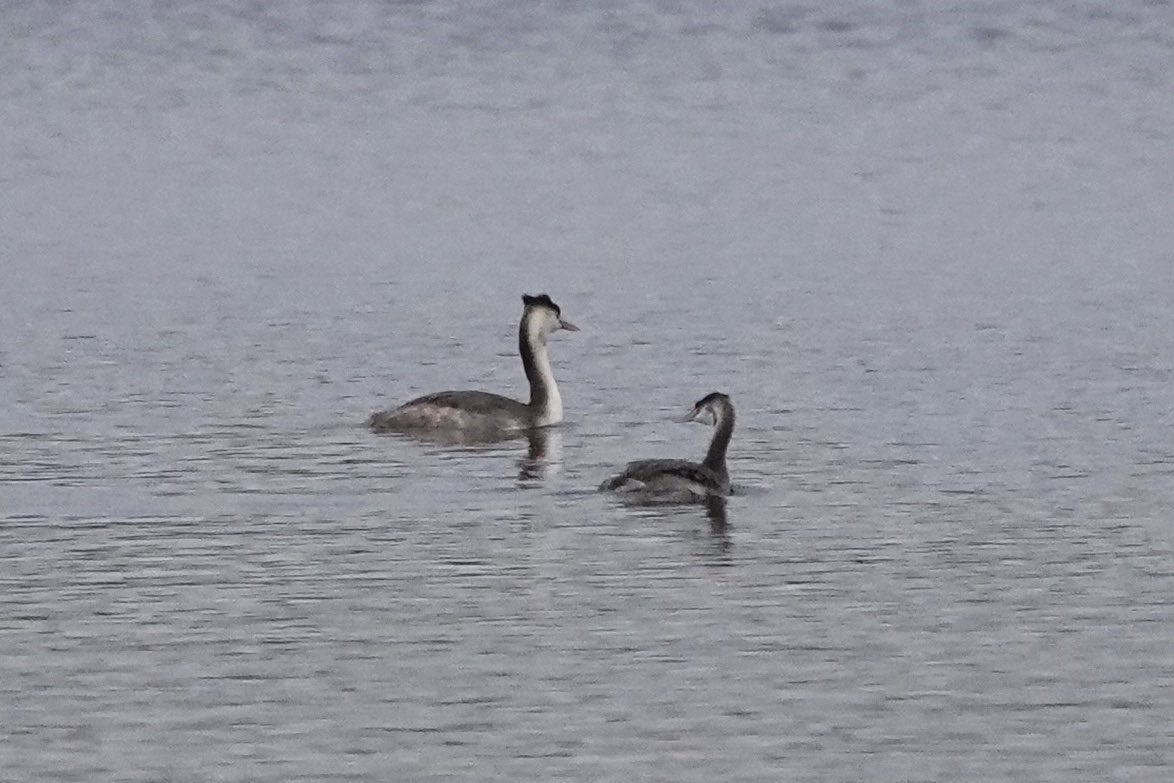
point(678, 480)
point(483, 414)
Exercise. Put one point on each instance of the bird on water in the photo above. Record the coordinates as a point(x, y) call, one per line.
point(483, 414)
point(679, 480)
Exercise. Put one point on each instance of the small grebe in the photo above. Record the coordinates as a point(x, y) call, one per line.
point(678, 480)
point(486, 414)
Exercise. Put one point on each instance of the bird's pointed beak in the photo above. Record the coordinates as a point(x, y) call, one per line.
point(564, 324)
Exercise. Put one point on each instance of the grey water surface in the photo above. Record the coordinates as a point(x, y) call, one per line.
point(926, 247)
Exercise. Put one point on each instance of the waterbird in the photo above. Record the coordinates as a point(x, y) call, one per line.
point(679, 480)
point(481, 415)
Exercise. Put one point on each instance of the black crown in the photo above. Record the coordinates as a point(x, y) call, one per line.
point(542, 300)
point(711, 397)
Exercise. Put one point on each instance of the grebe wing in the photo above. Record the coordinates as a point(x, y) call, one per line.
point(472, 410)
point(646, 472)
point(470, 401)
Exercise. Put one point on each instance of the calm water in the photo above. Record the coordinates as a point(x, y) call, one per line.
point(926, 247)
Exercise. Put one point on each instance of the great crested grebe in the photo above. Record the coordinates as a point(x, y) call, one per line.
point(482, 413)
point(678, 480)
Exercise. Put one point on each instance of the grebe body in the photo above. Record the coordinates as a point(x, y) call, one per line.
point(481, 413)
point(678, 480)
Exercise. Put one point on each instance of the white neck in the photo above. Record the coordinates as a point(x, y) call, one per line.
point(552, 411)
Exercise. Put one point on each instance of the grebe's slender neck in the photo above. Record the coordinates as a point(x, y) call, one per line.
point(545, 403)
point(715, 458)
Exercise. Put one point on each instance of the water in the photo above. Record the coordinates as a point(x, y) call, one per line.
point(926, 248)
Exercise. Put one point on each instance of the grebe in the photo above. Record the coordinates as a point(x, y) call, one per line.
point(478, 413)
point(678, 480)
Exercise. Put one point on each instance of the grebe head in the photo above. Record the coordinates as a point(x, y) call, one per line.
point(709, 408)
point(543, 316)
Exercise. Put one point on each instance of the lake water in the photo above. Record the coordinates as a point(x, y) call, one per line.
point(927, 248)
